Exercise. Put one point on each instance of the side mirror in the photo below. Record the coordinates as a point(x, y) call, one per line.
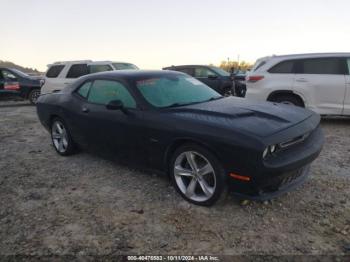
point(115, 105)
point(212, 76)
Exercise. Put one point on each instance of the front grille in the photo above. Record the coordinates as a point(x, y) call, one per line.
point(283, 181)
point(290, 177)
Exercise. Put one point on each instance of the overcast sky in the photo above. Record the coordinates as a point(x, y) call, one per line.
point(157, 33)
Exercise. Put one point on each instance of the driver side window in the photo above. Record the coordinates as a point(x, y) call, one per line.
point(203, 72)
point(104, 91)
point(8, 76)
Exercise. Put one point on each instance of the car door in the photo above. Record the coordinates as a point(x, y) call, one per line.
point(75, 71)
point(321, 82)
point(208, 77)
point(54, 79)
point(10, 82)
point(346, 110)
point(2, 82)
point(116, 131)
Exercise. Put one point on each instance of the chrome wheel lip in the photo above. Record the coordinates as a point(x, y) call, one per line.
point(196, 176)
point(59, 137)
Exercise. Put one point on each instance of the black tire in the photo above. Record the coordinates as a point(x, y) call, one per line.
point(227, 91)
point(287, 99)
point(33, 96)
point(220, 191)
point(70, 147)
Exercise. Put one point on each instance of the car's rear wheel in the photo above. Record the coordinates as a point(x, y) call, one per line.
point(197, 175)
point(287, 100)
point(61, 138)
point(33, 96)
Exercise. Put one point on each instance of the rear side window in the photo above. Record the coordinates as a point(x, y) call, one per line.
point(348, 62)
point(77, 70)
point(188, 71)
point(83, 91)
point(286, 67)
point(54, 71)
point(104, 91)
point(99, 68)
point(203, 72)
point(327, 66)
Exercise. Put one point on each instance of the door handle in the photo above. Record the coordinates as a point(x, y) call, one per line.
point(85, 110)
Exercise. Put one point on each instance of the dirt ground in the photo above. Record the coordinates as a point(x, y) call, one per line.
point(87, 205)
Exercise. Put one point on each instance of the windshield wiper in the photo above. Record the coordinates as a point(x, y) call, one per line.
point(174, 105)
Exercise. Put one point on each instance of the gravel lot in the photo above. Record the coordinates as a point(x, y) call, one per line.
point(86, 204)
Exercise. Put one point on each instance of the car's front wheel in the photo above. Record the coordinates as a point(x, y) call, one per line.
point(61, 138)
point(197, 175)
point(33, 96)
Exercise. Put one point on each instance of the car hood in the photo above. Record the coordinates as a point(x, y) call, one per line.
point(258, 119)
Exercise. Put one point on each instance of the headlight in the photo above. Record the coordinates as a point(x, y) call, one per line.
point(266, 151)
point(269, 150)
point(272, 149)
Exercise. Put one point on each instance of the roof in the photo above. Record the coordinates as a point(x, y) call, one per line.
point(188, 66)
point(306, 55)
point(133, 73)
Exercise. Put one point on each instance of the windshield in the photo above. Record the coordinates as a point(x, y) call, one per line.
point(124, 66)
point(175, 90)
point(19, 72)
point(220, 71)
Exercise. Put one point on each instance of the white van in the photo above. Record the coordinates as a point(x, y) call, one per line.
point(320, 82)
point(61, 74)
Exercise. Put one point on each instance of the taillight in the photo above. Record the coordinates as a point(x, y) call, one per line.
point(254, 79)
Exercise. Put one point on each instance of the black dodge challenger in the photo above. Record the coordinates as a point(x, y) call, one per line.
point(171, 122)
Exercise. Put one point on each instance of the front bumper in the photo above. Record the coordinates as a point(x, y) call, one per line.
point(275, 187)
point(281, 173)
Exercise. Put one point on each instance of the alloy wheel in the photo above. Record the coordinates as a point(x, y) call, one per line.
point(59, 137)
point(194, 176)
point(34, 95)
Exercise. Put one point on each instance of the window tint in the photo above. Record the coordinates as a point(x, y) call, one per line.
point(170, 90)
point(188, 71)
point(104, 91)
point(77, 70)
point(54, 71)
point(84, 89)
point(8, 76)
point(348, 66)
point(203, 72)
point(286, 67)
point(328, 66)
point(99, 68)
point(124, 66)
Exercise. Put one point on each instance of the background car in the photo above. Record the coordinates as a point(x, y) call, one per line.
point(17, 83)
point(173, 123)
point(214, 77)
point(61, 74)
point(320, 82)
point(240, 87)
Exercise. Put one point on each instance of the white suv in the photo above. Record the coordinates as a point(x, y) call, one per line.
point(61, 74)
point(320, 82)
